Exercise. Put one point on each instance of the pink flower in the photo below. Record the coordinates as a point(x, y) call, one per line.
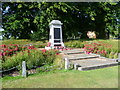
point(16, 49)
point(1, 54)
point(4, 53)
point(48, 44)
point(5, 49)
point(69, 49)
point(64, 49)
point(84, 48)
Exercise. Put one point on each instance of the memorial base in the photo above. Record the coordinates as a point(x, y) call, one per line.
point(48, 48)
point(55, 47)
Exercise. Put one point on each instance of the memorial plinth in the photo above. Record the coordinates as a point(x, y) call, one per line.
point(55, 36)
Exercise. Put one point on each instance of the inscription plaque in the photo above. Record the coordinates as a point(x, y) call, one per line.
point(56, 33)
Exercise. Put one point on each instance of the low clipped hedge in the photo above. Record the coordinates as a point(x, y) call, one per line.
point(74, 44)
point(25, 42)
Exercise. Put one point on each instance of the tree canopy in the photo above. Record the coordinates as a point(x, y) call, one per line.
point(30, 20)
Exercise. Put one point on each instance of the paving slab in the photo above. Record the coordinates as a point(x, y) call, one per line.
point(73, 51)
point(94, 63)
point(81, 56)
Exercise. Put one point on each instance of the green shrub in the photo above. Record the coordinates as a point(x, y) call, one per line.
point(58, 63)
point(46, 68)
point(36, 58)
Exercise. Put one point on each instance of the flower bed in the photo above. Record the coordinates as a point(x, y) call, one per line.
point(12, 55)
point(9, 50)
point(106, 48)
point(102, 48)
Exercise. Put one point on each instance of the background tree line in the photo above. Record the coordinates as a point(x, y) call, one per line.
point(30, 20)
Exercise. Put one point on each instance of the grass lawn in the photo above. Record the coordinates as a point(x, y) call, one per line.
point(100, 78)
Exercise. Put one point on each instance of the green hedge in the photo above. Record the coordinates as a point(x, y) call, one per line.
point(37, 44)
point(74, 44)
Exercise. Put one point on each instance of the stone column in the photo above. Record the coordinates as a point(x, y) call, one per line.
point(67, 63)
point(118, 57)
point(24, 74)
point(75, 66)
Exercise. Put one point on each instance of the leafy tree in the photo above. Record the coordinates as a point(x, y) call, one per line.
point(22, 18)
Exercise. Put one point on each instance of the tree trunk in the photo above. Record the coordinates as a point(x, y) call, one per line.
point(100, 23)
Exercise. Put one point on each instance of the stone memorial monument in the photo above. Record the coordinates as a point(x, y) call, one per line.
point(55, 36)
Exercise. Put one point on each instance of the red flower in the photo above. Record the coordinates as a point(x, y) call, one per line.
point(57, 53)
point(43, 50)
point(10, 50)
point(3, 46)
point(28, 51)
point(31, 47)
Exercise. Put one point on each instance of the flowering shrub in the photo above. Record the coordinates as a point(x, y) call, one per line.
point(99, 47)
point(33, 58)
point(8, 50)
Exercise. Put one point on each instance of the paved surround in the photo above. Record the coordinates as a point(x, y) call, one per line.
point(73, 51)
point(81, 56)
point(84, 61)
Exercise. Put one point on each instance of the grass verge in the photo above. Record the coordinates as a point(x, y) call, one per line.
point(100, 78)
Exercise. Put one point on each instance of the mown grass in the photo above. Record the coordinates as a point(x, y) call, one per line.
point(100, 78)
point(20, 41)
point(37, 44)
point(71, 43)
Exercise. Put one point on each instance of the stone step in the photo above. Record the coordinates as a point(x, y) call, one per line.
point(73, 51)
point(94, 63)
point(97, 66)
point(81, 56)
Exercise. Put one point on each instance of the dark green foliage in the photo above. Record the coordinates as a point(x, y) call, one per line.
point(22, 18)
